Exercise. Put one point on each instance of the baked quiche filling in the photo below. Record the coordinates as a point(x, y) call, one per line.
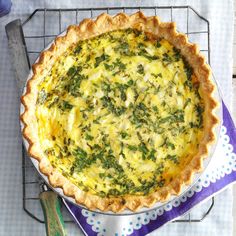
point(120, 114)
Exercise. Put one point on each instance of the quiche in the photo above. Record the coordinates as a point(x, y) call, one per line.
point(119, 112)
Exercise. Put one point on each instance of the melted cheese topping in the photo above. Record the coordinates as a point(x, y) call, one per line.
point(120, 114)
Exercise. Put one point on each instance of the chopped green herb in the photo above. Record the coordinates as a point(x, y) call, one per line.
point(130, 82)
point(72, 169)
point(53, 102)
point(177, 116)
point(199, 110)
point(110, 162)
point(177, 54)
point(187, 102)
point(188, 84)
point(157, 89)
point(158, 44)
point(119, 64)
point(143, 149)
point(100, 59)
point(79, 152)
point(88, 58)
point(78, 49)
point(102, 175)
point(89, 137)
point(123, 134)
point(188, 70)
point(65, 106)
point(141, 45)
point(123, 48)
point(152, 155)
point(166, 58)
point(159, 75)
point(113, 192)
point(155, 108)
point(73, 84)
point(108, 67)
point(106, 87)
point(145, 54)
point(193, 125)
point(168, 144)
point(161, 183)
point(108, 103)
point(165, 119)
point(173, 158)
point(140, 69)
point(160, 169)
point(132, 148)
point(171, 145)
point(82, 160)
point(71, 71)
point(137, 32)
point(102, 194)
point(49, 151)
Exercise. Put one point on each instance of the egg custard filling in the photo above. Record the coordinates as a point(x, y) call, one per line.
point(120, 113)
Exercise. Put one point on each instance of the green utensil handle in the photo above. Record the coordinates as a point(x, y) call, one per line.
point(52, 213)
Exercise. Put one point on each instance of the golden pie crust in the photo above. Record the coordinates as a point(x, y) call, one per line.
point(89, 28)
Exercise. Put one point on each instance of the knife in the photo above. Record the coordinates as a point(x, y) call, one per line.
point(50, 201)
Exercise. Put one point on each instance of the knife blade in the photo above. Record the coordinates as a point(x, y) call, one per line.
point(18, 51)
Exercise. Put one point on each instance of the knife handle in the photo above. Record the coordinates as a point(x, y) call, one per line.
point(52, 213)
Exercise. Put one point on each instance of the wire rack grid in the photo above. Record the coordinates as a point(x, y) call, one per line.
point(43, 25)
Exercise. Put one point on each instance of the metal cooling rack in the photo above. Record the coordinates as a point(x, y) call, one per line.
point(43, 25)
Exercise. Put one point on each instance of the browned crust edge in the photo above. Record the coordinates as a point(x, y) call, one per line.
point(89, 28)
